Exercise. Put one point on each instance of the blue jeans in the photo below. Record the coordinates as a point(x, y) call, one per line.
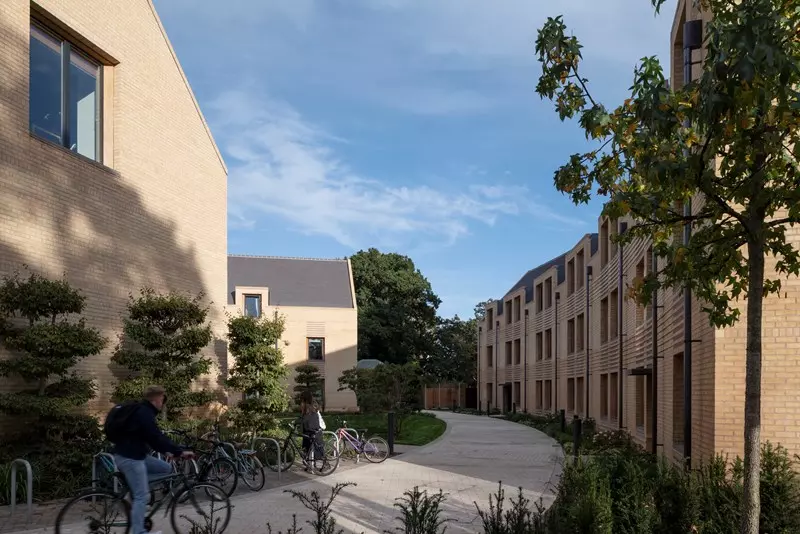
point(138, 474)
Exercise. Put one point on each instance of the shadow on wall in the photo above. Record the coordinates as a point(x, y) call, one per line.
point(331, 370)
point(62, 214)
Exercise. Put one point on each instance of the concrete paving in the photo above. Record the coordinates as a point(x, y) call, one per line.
point(467, 462)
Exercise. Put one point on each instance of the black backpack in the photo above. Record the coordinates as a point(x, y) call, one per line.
point(118, 421)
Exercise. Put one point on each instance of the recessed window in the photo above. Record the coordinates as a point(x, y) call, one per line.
point(316, 349)
point(252, 305)
point(64, 94)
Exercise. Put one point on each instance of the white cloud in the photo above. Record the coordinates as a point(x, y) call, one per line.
point(282, 165)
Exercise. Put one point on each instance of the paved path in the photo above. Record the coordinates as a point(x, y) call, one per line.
point(467, 463)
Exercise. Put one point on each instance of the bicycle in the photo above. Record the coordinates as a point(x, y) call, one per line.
point(181, 489)
point(290, 451)
point(248, 466)
point(375, 449)
point(211, 466)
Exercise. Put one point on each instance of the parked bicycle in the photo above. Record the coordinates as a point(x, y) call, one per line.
point(248, 467)
point(211, 465)
point(375, 449)
point(291, 449)
point(102, 509)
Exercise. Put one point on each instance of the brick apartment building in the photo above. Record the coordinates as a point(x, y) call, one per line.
point(565, 337)
point(108, 171)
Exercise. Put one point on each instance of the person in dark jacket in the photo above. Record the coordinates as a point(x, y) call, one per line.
point(132, 453)
point(312, 427)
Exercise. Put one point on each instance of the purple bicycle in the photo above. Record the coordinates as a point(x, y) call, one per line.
point(374, 449)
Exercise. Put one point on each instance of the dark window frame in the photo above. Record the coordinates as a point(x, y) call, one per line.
point(308, 349)
point(66, 50)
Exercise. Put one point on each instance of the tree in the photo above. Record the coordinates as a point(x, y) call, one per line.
point(480, 310)
point(259, 371)
point(729, 139)
point(308, 378)
point(46, 345)
point(162, 337)
point(454, 358)
point(396, 307)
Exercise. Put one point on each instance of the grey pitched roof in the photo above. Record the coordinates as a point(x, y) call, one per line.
point(293, 281)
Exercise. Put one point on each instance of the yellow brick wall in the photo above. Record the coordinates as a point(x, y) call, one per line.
point(155, 216)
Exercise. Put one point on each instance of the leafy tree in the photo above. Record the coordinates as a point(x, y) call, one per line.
point(453, 359)
point(480, 310)
point(45, 346)
point(308, 378)
point(729, 140)
point(259, 371)
point(396, 307)
point(162, 337)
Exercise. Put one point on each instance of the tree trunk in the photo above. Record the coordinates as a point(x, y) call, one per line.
point(752, 398)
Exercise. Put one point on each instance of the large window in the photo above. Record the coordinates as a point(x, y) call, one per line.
point(252, 305)
point(64, 95)
point(316, 349)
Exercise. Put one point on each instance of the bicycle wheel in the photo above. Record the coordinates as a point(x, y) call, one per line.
point(376, 449)
point(94, 511)
point(269, 456)
point(253, 474)
point(208, 510)
point(330, 459)
point(220, 472)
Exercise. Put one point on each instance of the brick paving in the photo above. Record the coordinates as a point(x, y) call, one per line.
point(466, 463)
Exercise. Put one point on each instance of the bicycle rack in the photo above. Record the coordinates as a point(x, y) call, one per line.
point(228, 445)
point(29, 478)
point(110, 458)
point(256, 439)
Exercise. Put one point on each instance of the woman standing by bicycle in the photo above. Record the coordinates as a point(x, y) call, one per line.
point(312, 426)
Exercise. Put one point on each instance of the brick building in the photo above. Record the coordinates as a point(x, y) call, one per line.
point(565, 337)
point(108, 173)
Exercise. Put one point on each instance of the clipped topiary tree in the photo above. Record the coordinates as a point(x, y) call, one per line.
point(45, 345)
point(161, 342)
point(259, 371)
point(309, 378)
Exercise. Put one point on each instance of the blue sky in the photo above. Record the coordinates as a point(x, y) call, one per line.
point(407, 125)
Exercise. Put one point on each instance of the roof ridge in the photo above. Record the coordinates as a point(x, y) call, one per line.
point(286, 257)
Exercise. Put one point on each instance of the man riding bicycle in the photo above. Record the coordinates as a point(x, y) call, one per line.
point(132, 428)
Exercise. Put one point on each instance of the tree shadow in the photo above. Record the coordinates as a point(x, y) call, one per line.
point(109, 232)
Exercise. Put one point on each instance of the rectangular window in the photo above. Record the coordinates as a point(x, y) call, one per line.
point(539, 346)
point(580, 392)
point(548, 394)
point(490, 318)
point(252, 305)
point(613, 314)
point(579, 269)
point(539, 297)
point(677, 401)
point(517, 308)
point(648, 312)
point(489, 393)
point(571, 277)
point(548, 293)
point(640, 403)
point(508, 312)
point(604, 244)
point(639, 280)
point(580, 332)
point(613, 394)
point(316, 349)
point(604, 396)
point(517, 394)
point(490, 356)
point(539, 395)
point(604, 320)
point(517, 351)
point(570, 394)
point(548, 343)
point(570, 336)
point(65, 95)
point(508, 353)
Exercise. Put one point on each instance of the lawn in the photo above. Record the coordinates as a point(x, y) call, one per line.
point(416, 429)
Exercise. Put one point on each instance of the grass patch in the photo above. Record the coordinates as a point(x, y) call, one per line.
point(417, 429)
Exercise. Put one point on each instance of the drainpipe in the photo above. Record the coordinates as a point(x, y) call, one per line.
point(478, 366)
point(623, 227)
point(525, 369)
point(654, 400)
point(555, 357)
point(588, 330)
point(692, 40)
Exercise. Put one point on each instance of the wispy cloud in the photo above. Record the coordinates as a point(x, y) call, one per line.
point(283, 165)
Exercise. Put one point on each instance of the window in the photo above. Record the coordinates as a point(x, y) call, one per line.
point(613, 314)
point(580, 332)
point(579, 269)
point(613, 230)
point(604, 320)
point(548, 394)
point(548, 293)
point(489, 393)
point(571, 276)
point(517, 308)
point(539, 395)
point(604, 244)
point(517, 395)
point(614, 396)
point(677, 401)
point(316, 349)
point(604, 395)
point(570, 394)
point(508, 353)
point(507, 311)
point(490, 318)
point(539, 346)
point(548, 343)
point(517, 351)
point(580, 391)
point(640, 402)
point(539, 297)
point(648, 263)
point(252, 305)
point(639, 279)
point(64, 109)
point(490, 356)
point(570, 336)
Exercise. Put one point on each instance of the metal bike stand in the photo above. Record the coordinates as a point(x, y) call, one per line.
point(29, 478)
point(232, 447)
point(351, 431)
point(256, 439)
point(110, 458)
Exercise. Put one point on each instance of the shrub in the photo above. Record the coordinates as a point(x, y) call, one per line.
point(421, 513)
point(521, 518)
